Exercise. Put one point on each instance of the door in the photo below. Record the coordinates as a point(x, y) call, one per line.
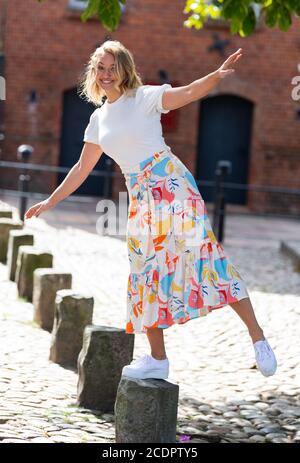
point(224, 134)
point(75, 118)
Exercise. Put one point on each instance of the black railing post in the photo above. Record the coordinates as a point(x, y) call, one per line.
point(23, 154)
point(106, 187)
point(223, 169)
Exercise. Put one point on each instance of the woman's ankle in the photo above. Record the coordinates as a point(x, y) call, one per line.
point(257, 336)
point(158, 356)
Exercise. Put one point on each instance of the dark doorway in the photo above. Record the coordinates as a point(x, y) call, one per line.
point(224, 134)
point(75, 118)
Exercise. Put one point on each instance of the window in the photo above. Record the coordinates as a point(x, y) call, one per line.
point(78, 4)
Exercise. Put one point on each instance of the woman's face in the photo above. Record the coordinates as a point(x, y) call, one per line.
point(105, 76)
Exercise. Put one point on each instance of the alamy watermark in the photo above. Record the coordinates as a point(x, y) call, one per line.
point(296, 90)
point(2, 88)
point(184, 218)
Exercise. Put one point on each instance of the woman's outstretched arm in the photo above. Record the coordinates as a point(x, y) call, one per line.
point(177, 97)
point(90, 155)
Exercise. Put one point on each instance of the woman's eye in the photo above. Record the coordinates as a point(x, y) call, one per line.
point(101, 69)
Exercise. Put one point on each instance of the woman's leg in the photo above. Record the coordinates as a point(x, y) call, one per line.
point(245, 311)
point(156, 340)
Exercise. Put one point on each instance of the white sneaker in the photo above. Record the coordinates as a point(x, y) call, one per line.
point(147, 367)
point(265, 358)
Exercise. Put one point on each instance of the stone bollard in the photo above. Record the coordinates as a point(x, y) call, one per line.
point(292, 249)
point(146, 411)
point(46, 282)
point(16, 239)
point(73, 312)
point(30, 258)
point(7, 224)
point(8, 213)
point(105, 351)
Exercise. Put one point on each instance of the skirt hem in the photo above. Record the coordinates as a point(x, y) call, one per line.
point(128, 330)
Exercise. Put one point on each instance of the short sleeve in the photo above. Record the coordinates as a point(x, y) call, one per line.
point(152, 98)
point(91, 133)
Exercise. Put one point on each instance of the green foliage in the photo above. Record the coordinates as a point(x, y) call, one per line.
point(239, 14)
point(107, 11)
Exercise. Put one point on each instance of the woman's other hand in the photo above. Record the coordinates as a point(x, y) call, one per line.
point(38, 208)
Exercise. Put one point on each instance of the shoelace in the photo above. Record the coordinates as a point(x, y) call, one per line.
point(263, 350)
point(140, 360)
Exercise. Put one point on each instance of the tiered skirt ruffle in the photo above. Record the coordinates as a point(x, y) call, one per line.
point(174, 277)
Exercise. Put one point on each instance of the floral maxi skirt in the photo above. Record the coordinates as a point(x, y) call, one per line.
point(178, 270)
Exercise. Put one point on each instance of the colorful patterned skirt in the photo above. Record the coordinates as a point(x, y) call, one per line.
point(178, 270)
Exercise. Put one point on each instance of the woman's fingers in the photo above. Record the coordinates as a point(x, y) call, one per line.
point(232, 59)
point(38, 211)
point(28, 213)
point(236, 54)
point(226, 68)
point(237, 58)
point(239, 50)
point(33, 210)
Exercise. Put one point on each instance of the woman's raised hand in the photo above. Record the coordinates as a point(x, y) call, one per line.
point(226, 68)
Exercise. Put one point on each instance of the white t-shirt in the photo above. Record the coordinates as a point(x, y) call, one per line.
point(129, 129)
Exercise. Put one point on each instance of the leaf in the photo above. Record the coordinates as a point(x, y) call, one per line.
point(228, 9)
point(285, 19)
point(249, 22)
point(271, 16)
point(109, 13)
point(91, 9)
point(235, 25)
point(235, 9)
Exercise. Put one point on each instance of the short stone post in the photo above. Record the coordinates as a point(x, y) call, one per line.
point(46, 282)
point(105, 351)
point(6, 212)
point(73, 312)
point(7, 224)
point(292, 249)
point(30, 258)
point(16, 239)
point(146, 411)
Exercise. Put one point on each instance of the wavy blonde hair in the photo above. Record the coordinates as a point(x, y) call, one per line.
point(128, 78)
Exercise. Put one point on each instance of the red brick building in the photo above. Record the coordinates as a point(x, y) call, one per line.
point(250, 119)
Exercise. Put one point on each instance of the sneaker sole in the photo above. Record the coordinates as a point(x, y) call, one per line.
point(146, 375)
point(267, 373)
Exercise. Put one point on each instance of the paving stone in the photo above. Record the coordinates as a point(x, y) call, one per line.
point(219, 399)
point(41, 440)
point(257, 438)
point(14, 441)
point(281, 440)
point(269, 429)
point(275, 435)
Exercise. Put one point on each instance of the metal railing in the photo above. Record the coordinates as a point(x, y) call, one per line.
point(219, 186)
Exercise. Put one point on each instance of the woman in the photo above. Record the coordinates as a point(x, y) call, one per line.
point(178, 270)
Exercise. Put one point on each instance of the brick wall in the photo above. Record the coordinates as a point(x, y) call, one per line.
point(46, 47)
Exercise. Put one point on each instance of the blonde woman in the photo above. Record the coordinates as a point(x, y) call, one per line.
point(178, 270)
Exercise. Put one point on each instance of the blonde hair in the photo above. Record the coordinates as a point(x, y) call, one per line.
point(128, 78)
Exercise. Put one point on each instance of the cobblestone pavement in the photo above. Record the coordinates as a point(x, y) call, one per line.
point(222, 397)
